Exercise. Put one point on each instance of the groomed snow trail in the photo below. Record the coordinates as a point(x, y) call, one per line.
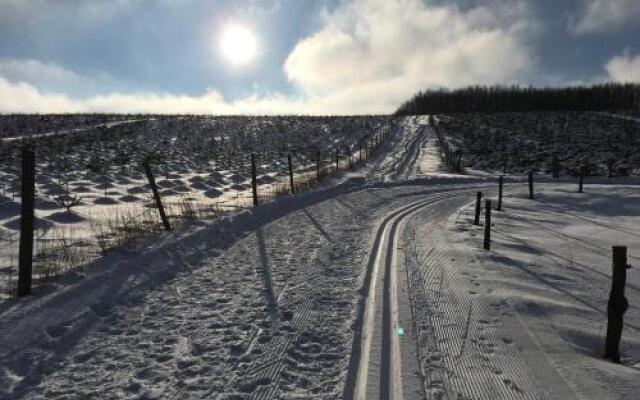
point(379, 369)
point(257, 306)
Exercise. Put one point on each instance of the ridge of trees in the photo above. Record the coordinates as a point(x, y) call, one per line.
point(603, 97)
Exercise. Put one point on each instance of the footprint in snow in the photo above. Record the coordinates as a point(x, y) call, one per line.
point(512, 385)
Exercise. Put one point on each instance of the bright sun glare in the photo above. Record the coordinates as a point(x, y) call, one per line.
point(238, 44)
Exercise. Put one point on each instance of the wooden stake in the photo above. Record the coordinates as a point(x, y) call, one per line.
point(531, 185)
point(290, 162)
point(487, 224)
point(617, 305)
point(476, 221)
point(156, 194)
point(254, 180)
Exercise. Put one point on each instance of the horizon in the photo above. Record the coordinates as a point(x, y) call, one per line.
point(286, 57)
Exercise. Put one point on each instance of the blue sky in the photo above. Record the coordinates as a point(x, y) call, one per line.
point(313, 56)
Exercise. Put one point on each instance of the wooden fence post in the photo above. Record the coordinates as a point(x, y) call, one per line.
point(360, 150)
point(337, 159)
point(290, 162)
point(349, 156)
point(318, 166)
point(617, 304)
point(581, 182)
point(487, 224)
point(27, 215)
point(500, 184)
point(531, 185)
point(254, 180)
point(156, 195)
point(476, 220)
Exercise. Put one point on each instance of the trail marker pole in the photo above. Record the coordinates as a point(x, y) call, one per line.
point(27, 215)
point(360, 150)
point(487, 224)
point(581, 182)
point(337, 160)
point(349, 156)
point(318, 166)
point(476, 221)
point(500, 184)
point(156, 194)
point(254, 180)
point(531, 185)
point(290, 162)
point(617, 304)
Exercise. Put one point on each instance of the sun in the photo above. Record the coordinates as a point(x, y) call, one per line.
point(238, 45)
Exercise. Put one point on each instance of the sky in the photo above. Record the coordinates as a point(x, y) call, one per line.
point(302, 56)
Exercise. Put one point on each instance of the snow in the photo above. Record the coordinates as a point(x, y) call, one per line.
point(372, 285)
point(201, 166)
point(540, 295)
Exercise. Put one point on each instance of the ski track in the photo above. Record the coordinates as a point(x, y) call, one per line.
point(210, 330)
point(401, 161)
point(376, 372)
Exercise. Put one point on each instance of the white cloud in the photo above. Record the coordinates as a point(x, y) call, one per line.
point(374, 54)
point(605, 15)
point(368, 57)
point(624, 68)
point(22, 97)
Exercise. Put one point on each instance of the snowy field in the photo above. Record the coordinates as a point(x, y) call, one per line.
point(511, 142)
point(528, 318)
point(373, 285)
point(92, 194)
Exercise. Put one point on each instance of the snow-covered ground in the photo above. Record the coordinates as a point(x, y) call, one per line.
point(92, 193)
point(529, 317)
point(374, 287)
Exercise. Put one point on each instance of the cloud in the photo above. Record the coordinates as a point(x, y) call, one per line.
point(624, 68)
point(47, 77)
point(605, 15)
point(22, 97)
point(374, 54)
point(368, 56)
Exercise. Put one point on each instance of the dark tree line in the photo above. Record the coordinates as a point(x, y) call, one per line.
point(606, 97)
